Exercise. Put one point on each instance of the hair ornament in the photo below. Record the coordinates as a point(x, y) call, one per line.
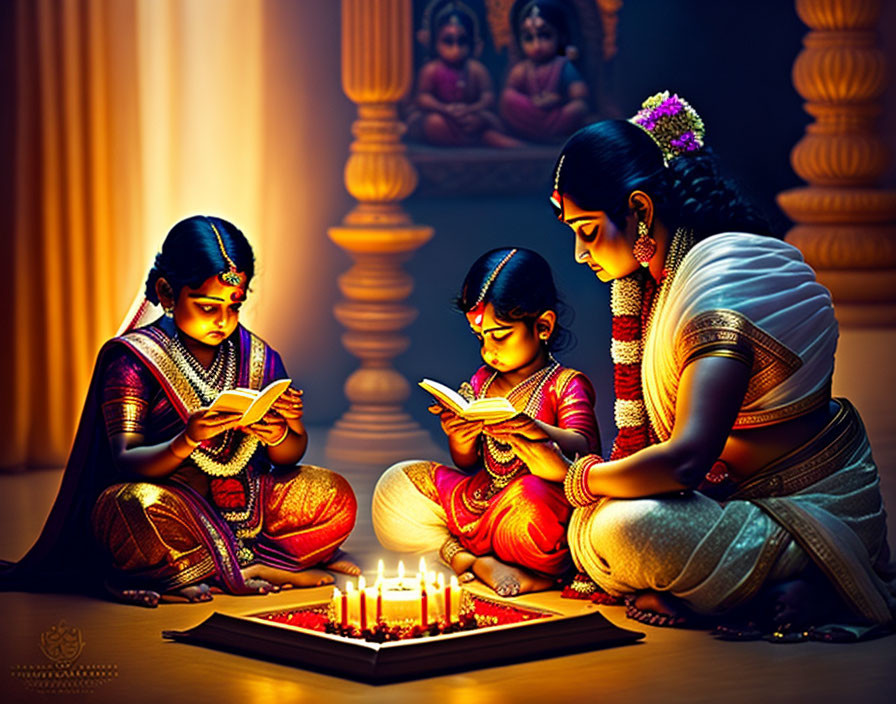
point(231, 277)
point(672, 123)
point(494, 275)
point(474, 315)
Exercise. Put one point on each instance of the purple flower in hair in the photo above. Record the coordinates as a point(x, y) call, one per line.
point(687, 142)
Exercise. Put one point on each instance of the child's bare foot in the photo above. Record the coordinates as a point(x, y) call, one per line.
point(276, 577)
point(341, 562)
point(656, 609)
point(151, 598)
point(508, 580)
point(191, 595)
point(136, 597)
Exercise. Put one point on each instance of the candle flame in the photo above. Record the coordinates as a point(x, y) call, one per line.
point(454, 582)
point(441, 580)
point(336, 593)
point(400, 571)
point(362, 583)
point(349, 587)
point(423, 566)
point(380, 569)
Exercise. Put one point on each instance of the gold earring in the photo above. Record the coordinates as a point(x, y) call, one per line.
point(169, 312)
point(645, 245)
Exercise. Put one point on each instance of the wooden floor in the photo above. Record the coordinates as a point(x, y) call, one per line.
point(667, 666)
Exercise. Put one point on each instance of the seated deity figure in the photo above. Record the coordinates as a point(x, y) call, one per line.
point(166, 499)
point(490, 516)
point(454, 100)
point(545, 97)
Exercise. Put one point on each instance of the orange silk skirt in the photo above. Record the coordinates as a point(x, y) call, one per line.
point(167, 536)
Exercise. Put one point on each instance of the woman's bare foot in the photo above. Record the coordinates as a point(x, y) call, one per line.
point(277, 578)
point(508, 580)
point(656, 609)
point(341, 562)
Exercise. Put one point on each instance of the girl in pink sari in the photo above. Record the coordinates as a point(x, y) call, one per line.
point(490, 516)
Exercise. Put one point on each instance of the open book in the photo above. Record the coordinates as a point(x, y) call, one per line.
point(493, 409)
point(252, 404)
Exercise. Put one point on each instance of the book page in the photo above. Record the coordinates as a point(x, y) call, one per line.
point(264, 401)
point(233, 400)
point(445, 395)
point(492, 409)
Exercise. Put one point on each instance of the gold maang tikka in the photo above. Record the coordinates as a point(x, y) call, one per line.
point(232, 276)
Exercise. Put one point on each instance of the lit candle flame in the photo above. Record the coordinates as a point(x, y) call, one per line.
point(423, 567)
point(336, 593)
point(349, 587)
point(441, 580)
point(380, 570)
point(454, 582)
point(362, 583)
point(400, 572)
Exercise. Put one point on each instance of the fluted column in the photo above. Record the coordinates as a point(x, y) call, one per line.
point(845, 224)
point(378, 234)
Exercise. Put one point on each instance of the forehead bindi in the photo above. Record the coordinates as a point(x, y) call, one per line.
point(216, 290)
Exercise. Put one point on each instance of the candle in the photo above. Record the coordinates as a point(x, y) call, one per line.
point(454, 592)
point(352, 599)
point(343, 609)
point(447, 594)
point(379, 601)
point(362, 602)
point(424, 607)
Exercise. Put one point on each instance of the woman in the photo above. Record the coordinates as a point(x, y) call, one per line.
point(723, 349)
point(182, 499)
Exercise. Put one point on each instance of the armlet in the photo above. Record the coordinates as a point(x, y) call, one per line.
point(726, 333)
point(124, 415)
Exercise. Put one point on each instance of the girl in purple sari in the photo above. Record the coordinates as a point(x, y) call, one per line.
point(165, 499)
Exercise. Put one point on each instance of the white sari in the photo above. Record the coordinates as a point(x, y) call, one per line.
point(753, 298)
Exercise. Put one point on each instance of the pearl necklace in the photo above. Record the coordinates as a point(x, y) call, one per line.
point(208, 383)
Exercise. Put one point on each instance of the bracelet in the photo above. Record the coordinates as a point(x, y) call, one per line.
point(449, 550)
point(281, 439)
point(575, 486)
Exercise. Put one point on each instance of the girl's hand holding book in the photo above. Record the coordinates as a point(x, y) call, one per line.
point(206, 423)
point(270, 430)
point(520, 425)
point(456, 427)
point(289, 404)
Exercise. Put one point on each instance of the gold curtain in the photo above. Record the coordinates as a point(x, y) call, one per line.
point(75, 191)
point(127, 116)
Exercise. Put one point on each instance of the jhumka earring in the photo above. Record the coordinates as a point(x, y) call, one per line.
point(169, 312)
point(645, 245)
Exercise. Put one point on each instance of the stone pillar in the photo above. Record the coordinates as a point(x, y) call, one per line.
point(379, 236)
point(845, 224)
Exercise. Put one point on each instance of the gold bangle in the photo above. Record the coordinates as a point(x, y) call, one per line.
point(281, 439)
point(575, 486)
point(449, 550)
